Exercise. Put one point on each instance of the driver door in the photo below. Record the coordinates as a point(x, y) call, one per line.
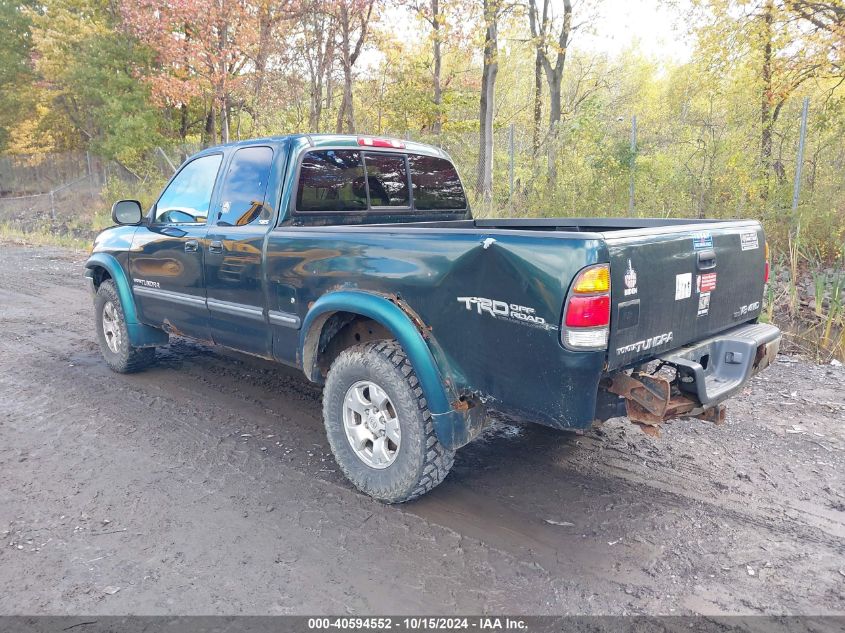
point(166, 262)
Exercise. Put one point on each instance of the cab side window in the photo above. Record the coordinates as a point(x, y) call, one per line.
point(188, 196)
point(245, 187)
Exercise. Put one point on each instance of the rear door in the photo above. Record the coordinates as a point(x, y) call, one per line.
point(674, 285)
point(234, 264)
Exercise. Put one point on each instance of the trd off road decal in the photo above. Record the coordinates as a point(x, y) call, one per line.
point(630, 280)
point(506, 311)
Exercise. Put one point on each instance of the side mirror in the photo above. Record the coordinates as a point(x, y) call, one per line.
point(127, 212)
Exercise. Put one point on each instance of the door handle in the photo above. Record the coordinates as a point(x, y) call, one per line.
point(216, 246)
point(191, 246)
point(707, 260)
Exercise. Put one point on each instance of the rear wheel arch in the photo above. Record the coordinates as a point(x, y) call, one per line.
point(385, 319)
point(335, 333)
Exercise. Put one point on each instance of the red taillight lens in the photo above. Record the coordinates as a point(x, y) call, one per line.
point(369, 141)
point(588, 311)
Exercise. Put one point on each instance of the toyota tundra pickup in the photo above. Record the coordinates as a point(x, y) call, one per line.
point(356, 259)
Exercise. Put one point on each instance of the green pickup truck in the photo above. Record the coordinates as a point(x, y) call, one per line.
point(356, 259)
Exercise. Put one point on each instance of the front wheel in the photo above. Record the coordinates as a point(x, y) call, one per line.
point(113, 334)
point(379, 426)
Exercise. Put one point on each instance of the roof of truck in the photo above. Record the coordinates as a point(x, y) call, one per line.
point(339, 140)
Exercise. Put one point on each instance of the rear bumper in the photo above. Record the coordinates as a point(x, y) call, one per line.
point(706, 373)
point(716, 368)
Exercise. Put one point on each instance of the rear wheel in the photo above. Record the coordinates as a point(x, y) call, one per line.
point(113, 334)
point(379, 426)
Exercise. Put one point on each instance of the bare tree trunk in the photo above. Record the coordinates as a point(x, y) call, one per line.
point(329, 91)
point(438, 63)
point(211, 125)
point(315, 110)
point(224, 119)
point(183, 122)
point(345, 115)
point(490, 69)
point(346, 64)
point(540, 25)
point(554, 124)
point(264, 44)
point(538, 105)
point(766, 96)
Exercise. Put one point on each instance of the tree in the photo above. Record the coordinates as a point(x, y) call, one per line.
point(492, 11)
point(85, 84)
point(16, 72)
point(317, 26)
point(353, 20)
point(541, 27)
point(202, 48)
point(431, 12)
point(786, 43)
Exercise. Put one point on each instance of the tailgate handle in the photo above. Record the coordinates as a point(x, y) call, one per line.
point(706, 260)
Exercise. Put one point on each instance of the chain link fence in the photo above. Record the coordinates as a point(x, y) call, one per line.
point(62, 193)
point(610, 166)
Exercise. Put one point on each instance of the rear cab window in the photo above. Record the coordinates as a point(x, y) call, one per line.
point(341, 180)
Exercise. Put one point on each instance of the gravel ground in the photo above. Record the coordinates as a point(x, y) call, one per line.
point(205, 486)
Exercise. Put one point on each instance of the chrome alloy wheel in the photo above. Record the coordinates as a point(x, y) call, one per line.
point(111, 328)
point(371, 424)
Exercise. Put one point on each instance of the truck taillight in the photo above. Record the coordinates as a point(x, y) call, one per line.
point(588, 311)
point(768, 267)
point(586, 317)
point(369, 141)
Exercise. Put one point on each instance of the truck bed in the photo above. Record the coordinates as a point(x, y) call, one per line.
point(673, 280)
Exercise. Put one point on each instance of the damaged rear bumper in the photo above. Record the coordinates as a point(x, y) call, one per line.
point(705, 374)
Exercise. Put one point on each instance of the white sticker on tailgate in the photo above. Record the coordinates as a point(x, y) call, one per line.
point(749, 241)
point(683, 286)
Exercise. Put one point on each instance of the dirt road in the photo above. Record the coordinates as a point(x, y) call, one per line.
point(205, 486)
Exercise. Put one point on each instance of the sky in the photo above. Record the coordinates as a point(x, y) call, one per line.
point(656, 28)
point(653, 25)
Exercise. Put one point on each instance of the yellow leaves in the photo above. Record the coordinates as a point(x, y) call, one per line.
point(29, 137)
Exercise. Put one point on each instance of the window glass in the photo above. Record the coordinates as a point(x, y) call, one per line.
point(436, 184)
point(188, 196)
point(387, 180)
point(332, 180)
point(244, 188)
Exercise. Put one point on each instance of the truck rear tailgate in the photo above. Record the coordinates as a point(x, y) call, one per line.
point(674, 285)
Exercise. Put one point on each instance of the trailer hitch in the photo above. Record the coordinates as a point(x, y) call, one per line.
point(651, 400)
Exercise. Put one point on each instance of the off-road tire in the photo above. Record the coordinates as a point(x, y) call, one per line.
point(422, 462)
point(127, 359)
